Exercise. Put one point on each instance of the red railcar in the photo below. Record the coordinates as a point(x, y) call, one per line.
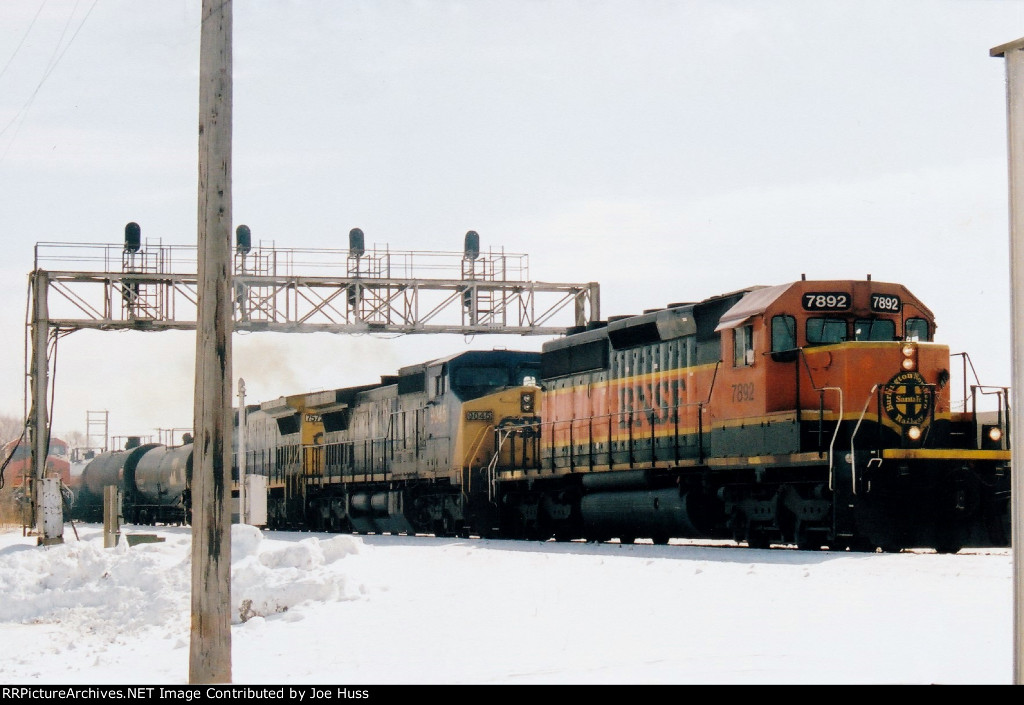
point(58, 462)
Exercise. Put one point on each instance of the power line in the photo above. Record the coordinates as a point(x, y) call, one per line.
point(51, 65)
point(23, 38)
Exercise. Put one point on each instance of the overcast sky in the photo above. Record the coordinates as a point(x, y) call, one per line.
point(669, 150)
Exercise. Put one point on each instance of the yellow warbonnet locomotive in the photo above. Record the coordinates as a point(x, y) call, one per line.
point(814, 413)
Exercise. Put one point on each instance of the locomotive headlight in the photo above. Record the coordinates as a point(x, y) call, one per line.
point(914, 433)
point(909, 362)
point(995, 433)
point(527, 402)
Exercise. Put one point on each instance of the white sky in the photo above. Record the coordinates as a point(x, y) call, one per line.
point(668, 149)
point(379, 610)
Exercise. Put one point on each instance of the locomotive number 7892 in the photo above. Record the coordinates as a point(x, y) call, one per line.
point(826, 301)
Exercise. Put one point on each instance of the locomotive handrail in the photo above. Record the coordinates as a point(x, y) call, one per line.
point(1002, 420)
point(467, 461)
point(628, 418)
point(802, 357)
point(967, 361)
point(835, 432)
point(853, 436)
point(369, 457)
point(700, 413)
point(502, 435)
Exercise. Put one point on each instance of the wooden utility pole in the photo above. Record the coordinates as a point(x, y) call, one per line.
point(242, 515)
point(1014, 54)
point(210, 653)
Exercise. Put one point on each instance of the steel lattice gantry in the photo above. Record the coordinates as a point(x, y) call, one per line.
point(153, 287)
point(277, 290)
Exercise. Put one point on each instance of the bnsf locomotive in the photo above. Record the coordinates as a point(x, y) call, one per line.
point(811, 413)
point(815, 413)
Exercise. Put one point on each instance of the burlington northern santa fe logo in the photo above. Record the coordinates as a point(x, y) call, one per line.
point(906, 399)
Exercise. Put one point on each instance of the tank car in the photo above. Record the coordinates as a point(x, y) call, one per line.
point(160, 487)
point(152, 479)
point(815, 413)
point(112, 468)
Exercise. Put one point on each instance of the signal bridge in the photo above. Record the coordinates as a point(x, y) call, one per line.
point(154, 287)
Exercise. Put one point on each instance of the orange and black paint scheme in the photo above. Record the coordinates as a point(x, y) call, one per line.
point(815, 413)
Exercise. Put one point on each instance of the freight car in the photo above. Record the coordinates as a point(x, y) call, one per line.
point(16, 462)
point(16, 474)
point(152, 481)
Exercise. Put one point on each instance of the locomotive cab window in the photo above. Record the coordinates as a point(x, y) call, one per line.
point(527, 376)
point(473, 382)
point(783, 338)
point(916, 329)
point(823, 331)
point(874, 329)
point(743, 346)
point(439, 385)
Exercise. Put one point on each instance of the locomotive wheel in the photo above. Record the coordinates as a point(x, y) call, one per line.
point(627, 539)
point(337, 524)
point(441, 528)
point(807, 539)
point(757, 537)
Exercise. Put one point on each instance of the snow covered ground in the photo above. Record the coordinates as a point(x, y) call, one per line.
point(388, 610)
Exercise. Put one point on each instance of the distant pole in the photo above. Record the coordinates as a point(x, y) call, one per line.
point(1014, 55)
point(210, 653)
point(241, 452)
